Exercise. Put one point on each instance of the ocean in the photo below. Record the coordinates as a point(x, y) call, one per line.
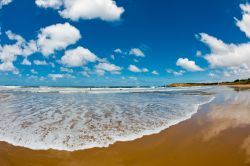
point(77, 118)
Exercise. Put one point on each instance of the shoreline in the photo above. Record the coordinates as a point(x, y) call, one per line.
point(127, 139)
point(200, 140)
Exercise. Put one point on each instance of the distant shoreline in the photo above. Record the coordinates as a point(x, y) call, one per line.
point(237, 83)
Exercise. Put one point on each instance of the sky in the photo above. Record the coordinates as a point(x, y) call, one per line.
point(123, 42)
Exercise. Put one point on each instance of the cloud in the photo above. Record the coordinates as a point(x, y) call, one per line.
point(4, 2)
point(232, 58)
point(227, 74)
point(67, 70)
point(33, 71)
point(56, 76)
point(175, 73)
point(21, 47)
point(133, 78)
point(56, 4)
point(118, 50)
point(155, 72)
point(26, 62)
point(75, 10)
point(9, 52)
point(231, 73)
point(100, 72)
point(15, 37)
point(198, 53)
point(103, 67)
point(136, 60)
point(8, 66)
point(237, 72)
point(178, 73)
point(144, 70)
point(85, 74)
point(188, 64)
point(225, 55)
point(112, 56)
point(52, 64)
point(244, 24)
point(57, 37)
point(136, 52)
point(50, 39)
point(212, 75)
point(78, 57)
point(8, 55)
point(135, 69)
point(40, 63)
point(29, 48)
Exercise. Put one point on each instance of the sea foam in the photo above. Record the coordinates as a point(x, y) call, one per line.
point(76, 121)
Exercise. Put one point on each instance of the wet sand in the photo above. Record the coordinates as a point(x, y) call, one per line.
point(240, 87)
point(218, 135)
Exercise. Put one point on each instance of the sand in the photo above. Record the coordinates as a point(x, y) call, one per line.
point(240, 87)
point(218, 135)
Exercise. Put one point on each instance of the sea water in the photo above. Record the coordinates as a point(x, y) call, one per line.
point(68, 118)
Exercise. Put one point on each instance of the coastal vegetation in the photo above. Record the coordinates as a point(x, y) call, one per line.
point(236, 82)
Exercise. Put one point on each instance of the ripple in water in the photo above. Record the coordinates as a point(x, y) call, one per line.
point(81, 121)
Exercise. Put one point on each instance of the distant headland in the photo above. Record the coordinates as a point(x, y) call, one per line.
point(242, 82)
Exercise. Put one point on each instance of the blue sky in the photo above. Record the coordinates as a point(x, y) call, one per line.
point(132, 42)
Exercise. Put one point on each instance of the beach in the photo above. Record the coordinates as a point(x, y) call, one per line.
point(124, 83)
point(219, 134)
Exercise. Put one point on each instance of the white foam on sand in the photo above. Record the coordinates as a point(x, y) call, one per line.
point(82, 121)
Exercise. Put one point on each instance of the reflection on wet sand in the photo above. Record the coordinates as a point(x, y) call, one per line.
point(230, 110)
point(240, 87)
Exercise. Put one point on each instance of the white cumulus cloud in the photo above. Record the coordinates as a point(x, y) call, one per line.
point(56, 4)
point(26, 62)
point(187, 64)
point(118, 50)
point(244, 23)
point(229, 55)
point(4, 2)
point(78, 57)
point(103, 67)
point(225, 55)
point(233, 58)
point(56, 76)
point(67, 70)
point(135, 69)
point(155, 72)
point(145, 70)
point(40, 63)
point(137, 52)
point(175, 73)
point(9, 52)
point(57, 37)
point(33, 71)
point(8, 66)
point(106, 10)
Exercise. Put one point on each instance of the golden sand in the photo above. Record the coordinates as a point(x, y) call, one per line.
point(218, 135)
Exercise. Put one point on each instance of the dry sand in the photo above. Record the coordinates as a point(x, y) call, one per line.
point(218, 135)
